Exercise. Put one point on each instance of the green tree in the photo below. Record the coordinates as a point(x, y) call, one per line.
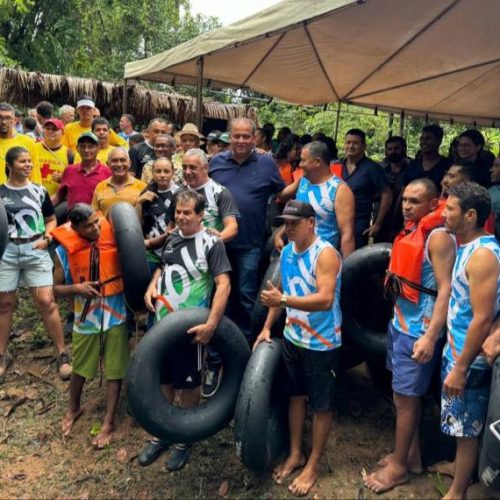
point(310, 119)
point(94, 39)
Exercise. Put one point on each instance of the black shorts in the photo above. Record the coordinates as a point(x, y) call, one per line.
point(182, 367)
point(311, 373)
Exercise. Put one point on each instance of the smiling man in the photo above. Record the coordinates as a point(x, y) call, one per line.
point(52, 155)
point(121, 186)
point(219, 217)
point(79, 180)
point(251, 178)
point(366, 179)
point(192, 262)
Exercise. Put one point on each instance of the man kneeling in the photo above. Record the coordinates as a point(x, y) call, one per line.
point(87, 269)
point(310, 280)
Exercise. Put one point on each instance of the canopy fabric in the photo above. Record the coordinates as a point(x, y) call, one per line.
point(439, 58)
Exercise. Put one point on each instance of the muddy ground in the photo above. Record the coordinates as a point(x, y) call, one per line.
point(36, 462)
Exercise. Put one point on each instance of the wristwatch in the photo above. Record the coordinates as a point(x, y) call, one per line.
point(283, 300)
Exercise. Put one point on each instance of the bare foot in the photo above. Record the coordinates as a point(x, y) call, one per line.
point(287, 467)
point(69, 420)
point(455, 495)
point(414, 465)
point(444, 468)
point(302, 484)
point(386, 478)
point(104, 437)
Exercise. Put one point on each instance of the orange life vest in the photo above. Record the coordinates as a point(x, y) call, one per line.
point(336, 169)
point(80, 252)
point(407, 254)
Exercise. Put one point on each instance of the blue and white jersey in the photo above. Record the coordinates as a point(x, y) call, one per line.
point(322, 198)
point(460, 309)
point(413, 319)
point(318, 330)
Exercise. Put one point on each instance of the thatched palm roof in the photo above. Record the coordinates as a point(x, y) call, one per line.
point(22, 88)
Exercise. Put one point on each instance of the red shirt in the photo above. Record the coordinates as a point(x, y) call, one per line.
point(78, 186)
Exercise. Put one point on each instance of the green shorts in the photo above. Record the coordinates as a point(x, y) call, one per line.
point(115, 358)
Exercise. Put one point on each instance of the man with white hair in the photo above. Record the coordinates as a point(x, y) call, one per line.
point(67, 113)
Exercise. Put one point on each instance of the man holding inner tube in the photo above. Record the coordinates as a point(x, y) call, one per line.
point(419, 279)
point(219, 217)
point(87, 269)
point(192, 261)
point(310, 293)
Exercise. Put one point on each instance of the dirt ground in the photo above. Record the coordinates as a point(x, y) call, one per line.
point(36, 462)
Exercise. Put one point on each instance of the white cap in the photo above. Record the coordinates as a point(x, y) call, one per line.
point(85, 102)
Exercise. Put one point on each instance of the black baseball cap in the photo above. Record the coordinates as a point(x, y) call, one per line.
point(295, 210)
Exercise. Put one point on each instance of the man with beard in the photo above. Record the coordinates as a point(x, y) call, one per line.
point(430, 164)
point(395, 163)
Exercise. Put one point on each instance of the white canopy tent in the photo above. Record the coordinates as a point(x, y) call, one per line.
point(436, 58)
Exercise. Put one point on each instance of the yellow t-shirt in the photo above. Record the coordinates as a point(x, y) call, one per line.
point(25, 142)
point(105, 194)
point(73, 130)
point(102, 155)
point(51, 161)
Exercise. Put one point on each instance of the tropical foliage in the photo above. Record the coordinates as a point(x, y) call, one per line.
point(92, 38)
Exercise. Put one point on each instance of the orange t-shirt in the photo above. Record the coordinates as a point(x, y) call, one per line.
point(286, 173)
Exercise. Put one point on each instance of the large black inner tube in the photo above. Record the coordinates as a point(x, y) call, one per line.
point(365, 311)
point(268, 253)
point(4, 229)
point(259, 312)
point(489, 455)
point(132, 253)
point(61, 212)
point(146, 402)
point(261, 416)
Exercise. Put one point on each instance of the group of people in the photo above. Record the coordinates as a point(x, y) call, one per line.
point(207, 206)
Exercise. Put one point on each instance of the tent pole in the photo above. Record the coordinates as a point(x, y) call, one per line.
point(124, 100)
point(391, 123)
point(337, 121)
point(402, 124)
point(199, 95)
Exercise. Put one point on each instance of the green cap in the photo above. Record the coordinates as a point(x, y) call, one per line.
point(90, 136)
point(225, 138)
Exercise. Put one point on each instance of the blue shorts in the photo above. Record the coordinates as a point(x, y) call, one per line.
point(465, 416)
point(23, 264)
point(409, 378)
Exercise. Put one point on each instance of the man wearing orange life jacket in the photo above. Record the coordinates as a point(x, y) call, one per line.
point(88, 269)
point(419, 277)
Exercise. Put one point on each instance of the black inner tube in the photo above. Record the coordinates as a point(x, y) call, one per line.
point(489, 455)
point(132, 253)
point(146, 402)
point(261, 417)
point(365, 311)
